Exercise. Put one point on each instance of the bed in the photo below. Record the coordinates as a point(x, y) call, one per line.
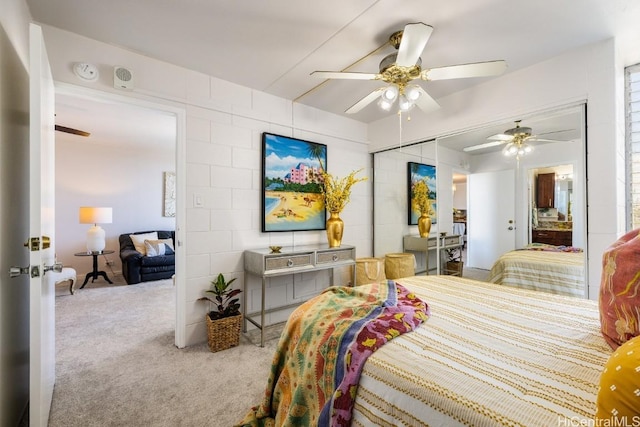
point(553, 269)
point(488, 355)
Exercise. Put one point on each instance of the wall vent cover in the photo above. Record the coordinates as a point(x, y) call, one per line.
point(122, 78)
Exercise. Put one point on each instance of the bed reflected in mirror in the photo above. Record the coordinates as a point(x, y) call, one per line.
point(503, 213)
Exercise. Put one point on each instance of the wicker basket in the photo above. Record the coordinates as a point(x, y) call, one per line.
point(369, 270)
point(399, 265)
point(223, 333)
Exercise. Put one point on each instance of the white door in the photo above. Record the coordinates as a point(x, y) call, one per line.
point(491, 218)
point(41, 224)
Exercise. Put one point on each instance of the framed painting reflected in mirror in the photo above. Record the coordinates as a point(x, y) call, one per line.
point(417, 172)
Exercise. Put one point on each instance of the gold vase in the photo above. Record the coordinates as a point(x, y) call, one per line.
point(424, 225)
point(335, 227)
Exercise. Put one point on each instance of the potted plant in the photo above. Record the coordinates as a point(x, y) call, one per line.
point(224, 320)
point(454, 262)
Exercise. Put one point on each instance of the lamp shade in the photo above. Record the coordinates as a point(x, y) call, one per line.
point(92, 215)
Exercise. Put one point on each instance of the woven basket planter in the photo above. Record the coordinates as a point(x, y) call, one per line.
point(454, 268)
point(223, 333)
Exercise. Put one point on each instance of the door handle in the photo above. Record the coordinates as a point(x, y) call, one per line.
point(31, 271)
point(510, 228)
point(17, 271)
point(56, 266)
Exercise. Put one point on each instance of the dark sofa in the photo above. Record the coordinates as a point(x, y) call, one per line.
point(138, 268)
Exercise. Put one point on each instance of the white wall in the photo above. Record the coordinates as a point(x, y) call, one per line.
point(594, 74)
point(460, 196)
point(224, 122)
point(127, 179)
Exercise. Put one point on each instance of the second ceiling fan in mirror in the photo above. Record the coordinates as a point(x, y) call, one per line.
point(517, 140)
point(401, 69)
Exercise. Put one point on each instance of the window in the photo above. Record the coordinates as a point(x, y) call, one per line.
point(632, 105)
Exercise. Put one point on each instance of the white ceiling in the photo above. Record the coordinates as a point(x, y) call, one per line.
point(115, 124)
point(273, 45)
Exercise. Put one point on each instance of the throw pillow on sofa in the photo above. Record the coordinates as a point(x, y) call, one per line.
point(159, 247)
point(620, 290)
point(138, 240)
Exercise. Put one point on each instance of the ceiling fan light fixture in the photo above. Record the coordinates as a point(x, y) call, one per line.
point(412, 93)
point(404, 104)
point(510, 149)
point(390, 93)
point(385, 104)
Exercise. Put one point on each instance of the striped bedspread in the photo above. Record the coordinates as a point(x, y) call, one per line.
point(488, 356)
point(554, 272)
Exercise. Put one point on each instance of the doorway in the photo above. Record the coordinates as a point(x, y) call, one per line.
point(133, 143)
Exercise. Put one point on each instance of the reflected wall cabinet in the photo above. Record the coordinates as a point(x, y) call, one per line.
point(546, 183)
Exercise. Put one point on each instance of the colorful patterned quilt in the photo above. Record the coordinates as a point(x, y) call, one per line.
point(326, 341)
point(549, 248)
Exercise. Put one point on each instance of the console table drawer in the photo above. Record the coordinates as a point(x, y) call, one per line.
point(288, 261)
point(334, 256)
point(451, 240)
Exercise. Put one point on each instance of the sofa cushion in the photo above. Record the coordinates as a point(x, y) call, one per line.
point(154, 261)
point(138, 240)
point(159, 247)
point(620, 290)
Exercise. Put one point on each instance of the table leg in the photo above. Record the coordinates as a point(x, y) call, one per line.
point(95, 273)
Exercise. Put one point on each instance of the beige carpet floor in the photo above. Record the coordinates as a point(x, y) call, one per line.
point(116, 364)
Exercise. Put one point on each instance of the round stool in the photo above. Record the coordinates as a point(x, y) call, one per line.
point(399, 265)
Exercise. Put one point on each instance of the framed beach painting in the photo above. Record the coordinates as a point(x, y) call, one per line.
point(417, 172)
point(291, 184)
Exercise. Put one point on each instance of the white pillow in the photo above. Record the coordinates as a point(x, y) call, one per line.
point(159, 247)
point(138, 240)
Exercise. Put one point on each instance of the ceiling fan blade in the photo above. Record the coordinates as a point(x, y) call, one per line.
point(71, 131)
point(500, 137)
point(425, 102)
point(556, 131)
point(414, 39)
point(484, 145)
point(345, 75)
point(463, 71)
point(534, 139)
point(364, 101)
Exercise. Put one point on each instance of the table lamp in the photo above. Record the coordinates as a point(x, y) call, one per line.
point(95, 235)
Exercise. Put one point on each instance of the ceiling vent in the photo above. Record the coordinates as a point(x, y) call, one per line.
point(122, 78)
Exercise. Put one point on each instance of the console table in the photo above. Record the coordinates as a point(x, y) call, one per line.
point(300, 259)
point(426, 244)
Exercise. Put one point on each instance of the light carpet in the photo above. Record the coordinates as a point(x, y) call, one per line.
point(116, 364)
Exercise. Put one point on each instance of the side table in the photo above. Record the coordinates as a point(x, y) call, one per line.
point(95, 273)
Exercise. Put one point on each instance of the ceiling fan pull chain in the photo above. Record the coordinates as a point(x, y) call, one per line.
point(400, 128)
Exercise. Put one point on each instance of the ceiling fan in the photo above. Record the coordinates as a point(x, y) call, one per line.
point(516, 139)
point(71, 131)
point(400, 69)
